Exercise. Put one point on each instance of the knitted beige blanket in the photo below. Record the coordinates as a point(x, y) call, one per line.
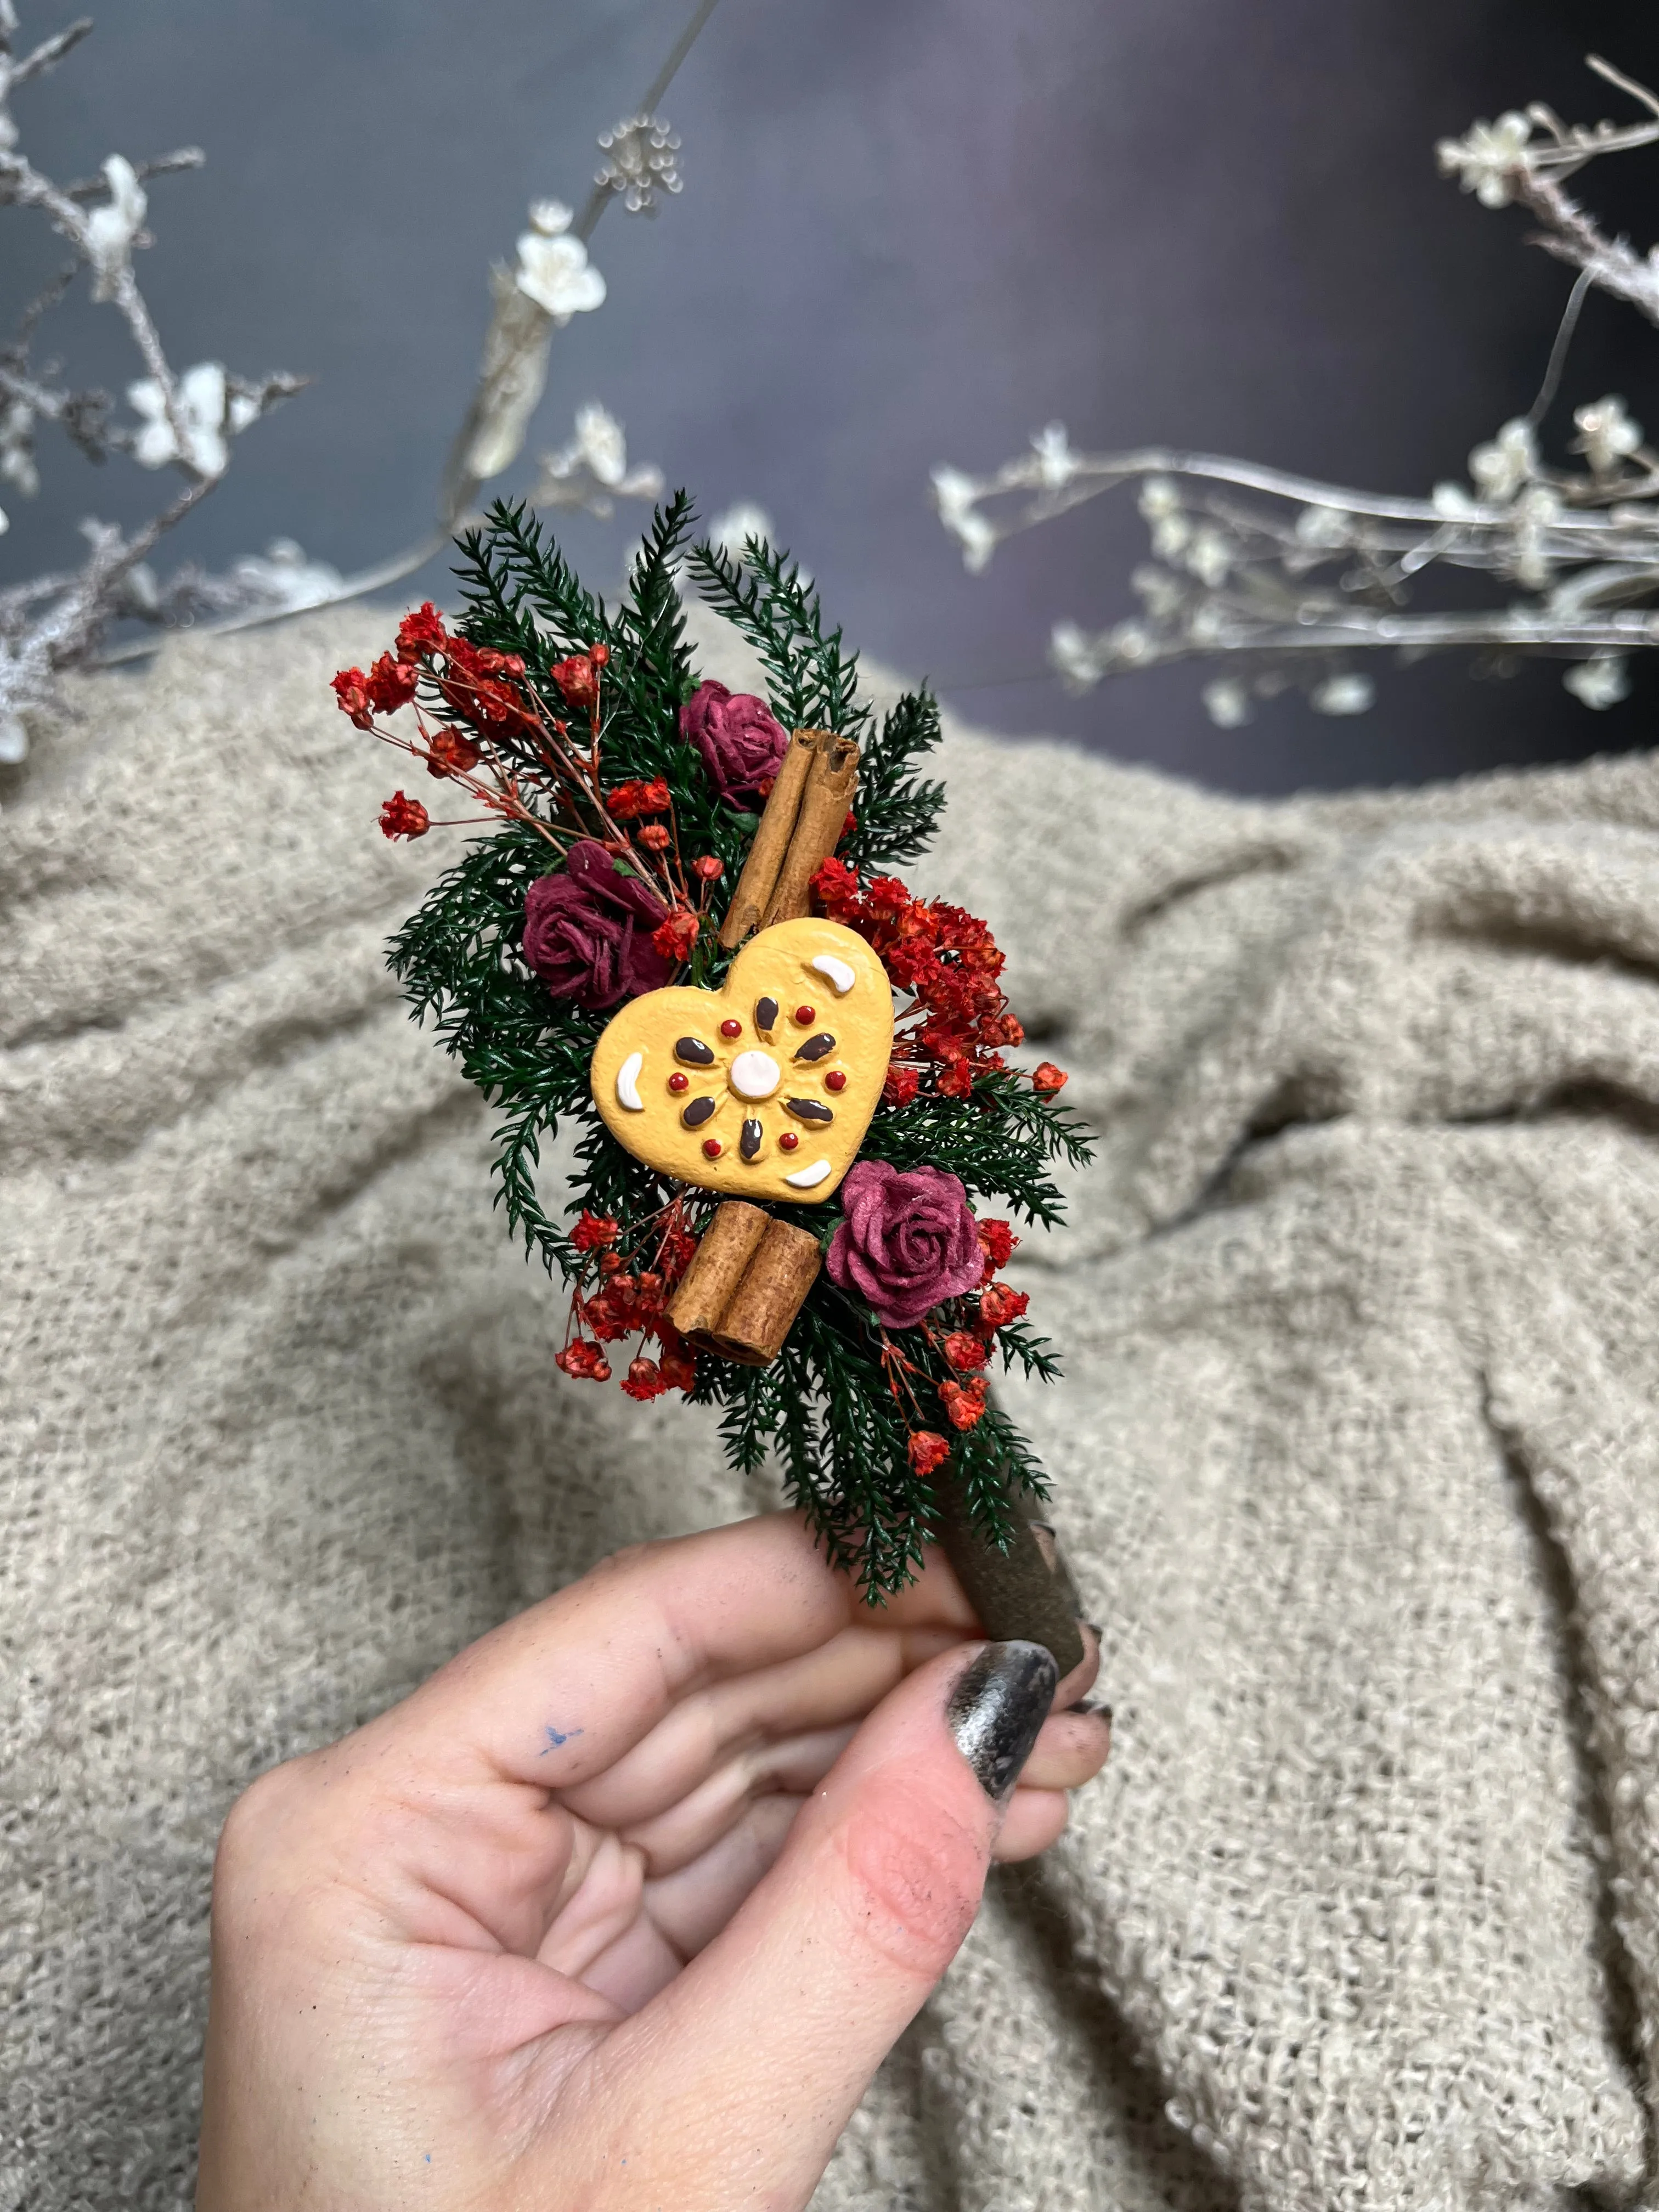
point(1356, 1458)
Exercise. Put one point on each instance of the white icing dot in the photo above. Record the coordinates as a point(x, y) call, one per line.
point(809, 1178)
point(627, 1083)
point(836, 971)
point(755, 1075)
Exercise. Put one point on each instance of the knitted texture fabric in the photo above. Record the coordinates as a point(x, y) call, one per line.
point(1355, 1460)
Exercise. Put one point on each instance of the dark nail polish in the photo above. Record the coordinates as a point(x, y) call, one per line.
point(1001, 1701)
point(1090, 1706)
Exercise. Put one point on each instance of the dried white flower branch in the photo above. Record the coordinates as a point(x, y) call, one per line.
point(57, 622)
point(1288, 592)
point(184, 421)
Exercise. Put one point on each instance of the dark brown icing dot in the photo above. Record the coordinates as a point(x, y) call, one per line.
point(750, 1142)
point(809, 1109)
point(766, 1014)
point(694, 1052)
point(698, 1112)
point(816, 1047)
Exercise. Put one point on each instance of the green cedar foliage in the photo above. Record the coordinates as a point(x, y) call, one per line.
point(824, 1407)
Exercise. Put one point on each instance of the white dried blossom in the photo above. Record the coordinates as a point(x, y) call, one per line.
point(1072, 654)
point(1164, 595)
point(591, 471)
point(729, 532)
point(1171, 534)
point(205, 410)
point(1326, 528)
point(17, 463)
point(553, 270)
point(14, 739)
point(285, 576)
point(1158, 496)
point(1536, 514)
point(955, 495)
point(642, 163)
point(114, 229)
point(1056, 462)
point(1600, 681)
point(1210, 556)
point(1228, 704)
point(1607, 433)
point(1343, 694)
point(1452, 503)
point(1485, 161)
point(1500, 468)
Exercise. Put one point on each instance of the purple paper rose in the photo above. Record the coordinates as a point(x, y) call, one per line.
point(909, 1241)
point(741, 740)
point(587, 931)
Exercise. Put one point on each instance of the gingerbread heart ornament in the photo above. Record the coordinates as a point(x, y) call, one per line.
point(764, 1088)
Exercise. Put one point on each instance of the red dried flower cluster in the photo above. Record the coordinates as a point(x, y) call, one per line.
point(593, 1232)
point(631, 1301)
point(997, 1240)
point(948, 962)
point(403, 817)
point(965, 1402)
point(929, 1450)
point(629, 800)
point(577, 676)
point(964, 1351)
point(675, 938)
point(999, 1306)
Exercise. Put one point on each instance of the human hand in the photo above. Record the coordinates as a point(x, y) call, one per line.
point(627, 1903)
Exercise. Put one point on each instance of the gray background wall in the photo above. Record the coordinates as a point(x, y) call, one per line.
point(910, 233)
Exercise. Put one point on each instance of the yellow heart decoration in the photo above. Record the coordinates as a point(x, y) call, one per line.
point(764, 1088)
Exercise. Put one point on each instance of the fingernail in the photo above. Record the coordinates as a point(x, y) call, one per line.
point(1091, 1705)
point(1001, 1701)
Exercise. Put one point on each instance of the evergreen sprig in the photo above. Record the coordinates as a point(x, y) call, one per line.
point(837, 1406)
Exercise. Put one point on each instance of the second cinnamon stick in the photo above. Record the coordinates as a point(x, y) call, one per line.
point(771, 842)
point(830, 790)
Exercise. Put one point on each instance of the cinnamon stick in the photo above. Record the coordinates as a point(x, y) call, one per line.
point(745, 1284)
point(770, 1295)
point(771, 842)
point(717, 1266)
point(830, 790)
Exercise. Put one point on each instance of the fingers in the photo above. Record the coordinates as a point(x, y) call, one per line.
point(559, 1695)
point(685, 1831)
point(750, 2062)
point(840, 1682)
point(1035, 1818)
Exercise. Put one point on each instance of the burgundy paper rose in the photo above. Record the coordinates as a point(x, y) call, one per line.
point(587, 931)
point(909, 1241)
point(741, 740)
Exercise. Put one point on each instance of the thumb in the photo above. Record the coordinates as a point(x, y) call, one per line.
point(741, 2075)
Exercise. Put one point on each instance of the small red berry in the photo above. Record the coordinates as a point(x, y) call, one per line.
point(788, 1141)
point(711, 1148)
point(806, 1016)
point(730, 1028)
point(679, 1082)
point(836, 1080)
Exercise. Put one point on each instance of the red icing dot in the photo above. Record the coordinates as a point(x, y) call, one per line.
point(835, 1080)
point(788, 1141)
point(730, 1028)
point(679, 1082)
point(711, 1148)
point(806, 1015)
